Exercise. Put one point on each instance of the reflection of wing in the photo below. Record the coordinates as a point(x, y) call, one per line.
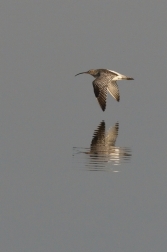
point(112, 134)
point(102, 141)
point(98, 136)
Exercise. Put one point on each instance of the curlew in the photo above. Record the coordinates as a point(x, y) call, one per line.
point(105, 80)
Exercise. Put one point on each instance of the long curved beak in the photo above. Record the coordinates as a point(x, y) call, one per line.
point(81, 73)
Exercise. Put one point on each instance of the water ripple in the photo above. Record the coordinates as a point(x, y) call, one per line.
point(102, 154)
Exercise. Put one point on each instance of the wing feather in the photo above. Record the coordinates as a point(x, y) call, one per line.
point(100, 90)
point(113, 90)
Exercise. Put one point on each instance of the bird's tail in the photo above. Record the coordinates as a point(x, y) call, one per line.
point(129, 78)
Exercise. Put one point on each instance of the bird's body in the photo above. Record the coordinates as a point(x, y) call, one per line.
point(105, 80)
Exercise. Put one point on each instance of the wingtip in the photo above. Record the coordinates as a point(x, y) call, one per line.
point(103, 107)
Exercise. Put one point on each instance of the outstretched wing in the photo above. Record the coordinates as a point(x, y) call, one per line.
point(113, 89)
point(100, 90)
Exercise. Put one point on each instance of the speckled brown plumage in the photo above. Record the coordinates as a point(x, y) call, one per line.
point(105, 80)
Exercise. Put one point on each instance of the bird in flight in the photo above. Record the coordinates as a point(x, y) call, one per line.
point(105, 80)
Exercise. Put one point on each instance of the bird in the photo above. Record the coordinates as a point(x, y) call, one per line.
point(105, 80)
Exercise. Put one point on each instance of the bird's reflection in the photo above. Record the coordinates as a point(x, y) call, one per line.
point(103, 151)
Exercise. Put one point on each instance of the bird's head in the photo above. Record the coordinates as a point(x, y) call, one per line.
point(93, 72)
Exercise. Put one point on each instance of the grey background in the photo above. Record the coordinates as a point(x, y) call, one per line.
point(48, 200)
